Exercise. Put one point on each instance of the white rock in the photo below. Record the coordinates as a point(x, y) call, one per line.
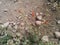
point(5, 24)
point(55, 4)
point(37, 13)
point(39, 17)
point(57, 34)
point(58, 21)
point(18, 34)
point(14, 23)
point(41, 13)
point(45, 39)
point(38, 22)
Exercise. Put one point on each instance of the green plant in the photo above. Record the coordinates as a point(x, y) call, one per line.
point(3, 40)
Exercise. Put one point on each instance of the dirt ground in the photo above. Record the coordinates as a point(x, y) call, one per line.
point(9, 9)
point(21, 11)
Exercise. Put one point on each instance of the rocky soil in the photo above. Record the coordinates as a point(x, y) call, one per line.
point(21, 18)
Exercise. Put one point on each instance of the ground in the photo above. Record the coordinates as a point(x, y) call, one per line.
point(11, 6)
point(24, 13)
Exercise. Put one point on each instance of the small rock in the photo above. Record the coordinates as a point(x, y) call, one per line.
point(55, 4)
point(58, 21)
point(38, 22)
point(39, 17)
point(37, 14)
point(10, 42)
point(41, 13)
point(18, 34)
point(20, 17)
point(5, 24)
point(45, 39)
point(22, 24)
point(57, 34)
point(14, 23)
point(48, 3)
